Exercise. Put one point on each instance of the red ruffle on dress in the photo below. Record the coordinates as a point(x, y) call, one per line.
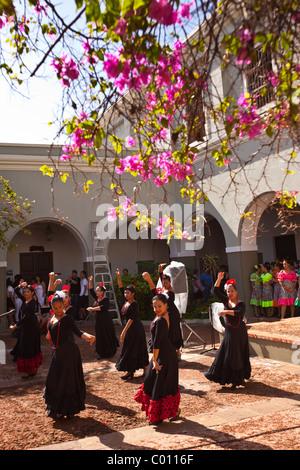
point(29, 366)
point(157, 410)
point(27, 351)
point(159, 395)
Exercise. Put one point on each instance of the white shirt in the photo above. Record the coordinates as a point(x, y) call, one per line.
point(84, 282)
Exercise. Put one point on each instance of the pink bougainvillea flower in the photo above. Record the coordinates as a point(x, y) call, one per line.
point(130, 141)
point(121, 27)
point(245, 36)
point(111, 65)
point(273, 78)
point(85, 44)
point(244, 55)
point(40, 8)
point(244, 100)
point(162, 12)
point(184, 10)
point(112, 215)
point(66, 69)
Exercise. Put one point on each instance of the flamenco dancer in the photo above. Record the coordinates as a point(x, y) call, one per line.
point(159, 395)
point(27, 351)
point(68, 307)
point(65, 388)
point(174, 316)
point(106, 340)
point(134, 354)
point(231, 364)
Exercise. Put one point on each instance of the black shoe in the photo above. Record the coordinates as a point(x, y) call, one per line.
point(174, 418)
point(29, 376)
point(128, 376)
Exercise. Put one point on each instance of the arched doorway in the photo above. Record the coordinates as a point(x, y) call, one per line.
point(270, 229)
point(50, 246)
point(214, 243)
point(278, 234)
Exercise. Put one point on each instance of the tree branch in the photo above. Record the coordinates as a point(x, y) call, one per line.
point(67, 27)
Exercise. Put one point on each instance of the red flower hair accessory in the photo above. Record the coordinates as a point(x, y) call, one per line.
point(230, 282)
point(66, 287)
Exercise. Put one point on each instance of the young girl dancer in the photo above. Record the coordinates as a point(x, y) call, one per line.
point(65, 389)
point(174, 316)
point(134, 354)
point(27, 351)
point(159, 394)
point(231, 364)
point(106, 340)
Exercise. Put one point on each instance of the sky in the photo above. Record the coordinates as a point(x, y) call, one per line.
point(24, 116)
point(24, 119)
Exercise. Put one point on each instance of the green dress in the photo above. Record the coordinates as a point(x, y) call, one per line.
point(267, 290)
point(256, 289)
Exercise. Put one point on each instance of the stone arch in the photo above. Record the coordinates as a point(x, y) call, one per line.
point(249, 224)
point(67, 251)
point(44, 220)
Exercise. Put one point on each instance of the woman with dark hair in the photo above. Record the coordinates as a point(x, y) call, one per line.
point(106, 340)
point(10, 301)
point(231, 364)
point(65, 389)
point(175, 333)
point(134, 354)
point(83, 296)
point(159, 394)
point(27, 351)
point(255, 279)
point(267, 297)
point(287, 279)
point(69, 309)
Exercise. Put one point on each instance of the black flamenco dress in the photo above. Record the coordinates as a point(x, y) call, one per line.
point(106, 340)
point(232, 363)
point(175, 333)
point(159, 394)
point(27, 351)
point(134, 354)
point(65, 388)
point(70, 311)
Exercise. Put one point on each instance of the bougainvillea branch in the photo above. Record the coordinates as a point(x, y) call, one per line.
point(152, 63)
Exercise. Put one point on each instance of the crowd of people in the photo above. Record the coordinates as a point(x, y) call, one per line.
point(275, 288)
point(159, 393)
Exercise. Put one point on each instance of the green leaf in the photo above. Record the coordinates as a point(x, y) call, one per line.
point(47, 171)
point(64, 177)
point(92, 11)
point(79, 3)
point(165, 123)
point(127, 5)
point(69, 128)
point(7, 6)
point(269, 131)
point(87, 185)
point(138, 4)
